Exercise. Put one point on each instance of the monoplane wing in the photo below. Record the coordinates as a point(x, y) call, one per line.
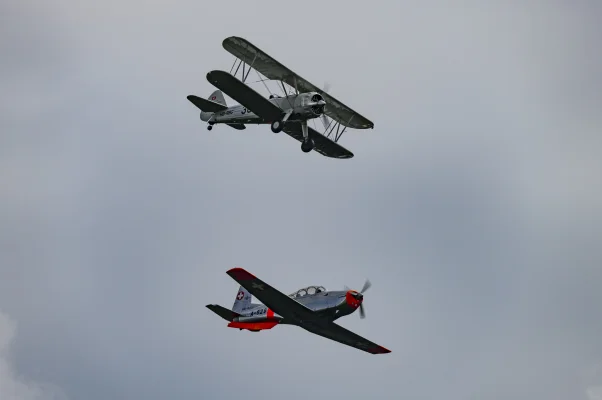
point(205, 105)
point(272, 69)
point(277, 301)
point(335, 332)
point(246, 96)
point(324, 146)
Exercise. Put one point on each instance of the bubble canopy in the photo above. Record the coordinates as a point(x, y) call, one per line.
point(307, 291)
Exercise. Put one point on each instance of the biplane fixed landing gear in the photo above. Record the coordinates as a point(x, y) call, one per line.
point(308, 144)
point(277, 126)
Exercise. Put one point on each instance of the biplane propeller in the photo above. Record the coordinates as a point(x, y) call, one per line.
point(289, 113)
point(312, 308)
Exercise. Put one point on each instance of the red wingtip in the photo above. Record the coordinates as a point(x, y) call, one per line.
point(240, 274)
point(379, 350)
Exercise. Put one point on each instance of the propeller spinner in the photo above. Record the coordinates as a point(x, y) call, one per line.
point(359, 297)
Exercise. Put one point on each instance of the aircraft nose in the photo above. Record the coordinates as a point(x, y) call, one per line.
point(354, 299)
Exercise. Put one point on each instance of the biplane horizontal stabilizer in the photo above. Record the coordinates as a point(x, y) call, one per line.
point(239, 127)
point(206, 105)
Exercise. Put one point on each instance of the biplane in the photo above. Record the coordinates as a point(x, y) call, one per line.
point(301, 102)
point(312, 308)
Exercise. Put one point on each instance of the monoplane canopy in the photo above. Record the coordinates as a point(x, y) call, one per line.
point(307, 291)
point(272, 69)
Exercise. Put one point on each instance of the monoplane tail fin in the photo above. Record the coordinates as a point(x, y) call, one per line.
point(218, 97)
point(242, 300)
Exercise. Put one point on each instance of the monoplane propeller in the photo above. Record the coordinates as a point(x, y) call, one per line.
point(360, 295)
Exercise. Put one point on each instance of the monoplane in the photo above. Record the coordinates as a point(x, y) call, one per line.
point(312, 308)
point(301, 102)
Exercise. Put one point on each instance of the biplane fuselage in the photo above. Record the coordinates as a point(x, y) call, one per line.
point(313, 308)
point(304, 106)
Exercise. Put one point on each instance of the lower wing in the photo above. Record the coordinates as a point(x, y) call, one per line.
point(324, 146)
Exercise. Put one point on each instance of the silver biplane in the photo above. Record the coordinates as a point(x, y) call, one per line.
point(312, 308)
point(290, 113)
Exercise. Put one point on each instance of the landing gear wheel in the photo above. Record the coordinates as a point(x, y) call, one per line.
point(277, 126)
point(209, 127)
point(307, 146)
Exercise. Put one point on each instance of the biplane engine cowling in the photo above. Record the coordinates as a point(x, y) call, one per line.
point(310, 105)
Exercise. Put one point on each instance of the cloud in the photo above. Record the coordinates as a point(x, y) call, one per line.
point(12, 385)
point(594, 393)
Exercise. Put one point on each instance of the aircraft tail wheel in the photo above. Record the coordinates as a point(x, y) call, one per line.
point(307, 146)
point(209, 127)
point(277, 126)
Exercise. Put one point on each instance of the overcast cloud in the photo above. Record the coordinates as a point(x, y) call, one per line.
point(474, 206)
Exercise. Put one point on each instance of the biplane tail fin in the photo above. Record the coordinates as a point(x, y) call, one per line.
point(218, 97)
point(242, 300)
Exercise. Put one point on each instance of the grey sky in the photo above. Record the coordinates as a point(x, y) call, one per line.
point(474, 206)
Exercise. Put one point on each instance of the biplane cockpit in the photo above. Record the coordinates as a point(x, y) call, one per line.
point(308, 291)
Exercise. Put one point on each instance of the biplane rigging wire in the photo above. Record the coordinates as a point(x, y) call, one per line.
point(263, 81)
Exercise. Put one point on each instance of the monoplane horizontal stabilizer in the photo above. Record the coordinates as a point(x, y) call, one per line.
point(206, 105)
point(223, 312)
point(324, 145)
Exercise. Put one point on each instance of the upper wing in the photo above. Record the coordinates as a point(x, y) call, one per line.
point(324, 146)
point(337, 333)
point(279, 302)
point(272, 69)
point(245, 95)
